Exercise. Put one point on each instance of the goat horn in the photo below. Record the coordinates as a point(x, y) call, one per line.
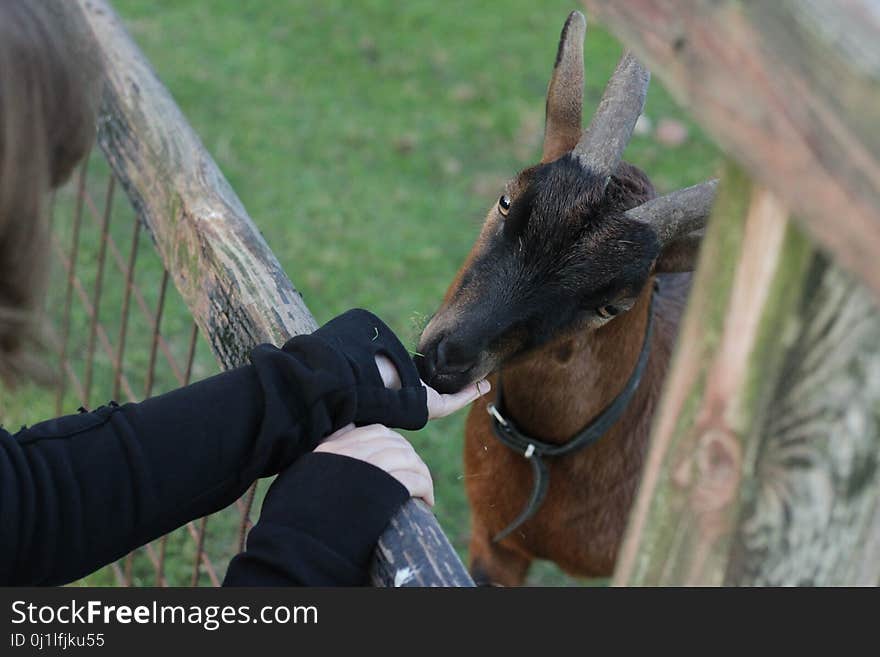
point(602, 145)
point(680, 255)
point(565, 93)
point(679, 213)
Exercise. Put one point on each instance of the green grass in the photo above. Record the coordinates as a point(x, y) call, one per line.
point(368, 139)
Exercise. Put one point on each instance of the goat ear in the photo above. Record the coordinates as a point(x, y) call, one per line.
point(680, 255)
point(562, 127)
point(678, 220)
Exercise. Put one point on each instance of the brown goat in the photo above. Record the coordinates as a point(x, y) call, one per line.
point(553, 304)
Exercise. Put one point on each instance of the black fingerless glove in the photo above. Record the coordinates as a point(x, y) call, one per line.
point(361, 336)
point(318, 383)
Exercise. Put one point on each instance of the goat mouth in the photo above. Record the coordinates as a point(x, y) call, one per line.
point(443, 379)
point(451, 382)
point(451, 378)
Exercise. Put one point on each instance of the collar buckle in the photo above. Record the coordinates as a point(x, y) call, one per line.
point(493, 411)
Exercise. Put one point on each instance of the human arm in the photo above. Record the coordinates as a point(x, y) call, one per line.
point(322, 517)
point(80, 491)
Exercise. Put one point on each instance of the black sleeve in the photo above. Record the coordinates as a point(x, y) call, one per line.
point(319, 524)
point(80, 491)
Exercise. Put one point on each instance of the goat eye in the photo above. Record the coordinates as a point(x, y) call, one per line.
point(607, 312)
point(504, 205)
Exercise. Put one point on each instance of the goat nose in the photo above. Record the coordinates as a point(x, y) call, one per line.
point(453, 356)
point(425, 366)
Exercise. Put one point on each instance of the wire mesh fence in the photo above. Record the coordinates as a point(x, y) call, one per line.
point(124, 321)
point(123, 334)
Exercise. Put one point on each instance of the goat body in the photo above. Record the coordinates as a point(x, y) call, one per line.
point(552, 394)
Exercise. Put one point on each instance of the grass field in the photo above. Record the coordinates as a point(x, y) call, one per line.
point(367, 140)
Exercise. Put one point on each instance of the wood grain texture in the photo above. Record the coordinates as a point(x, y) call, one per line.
point(231, 281)
point(763, 463)
point(400, 557)
point(791, 89)
point(685, 513)
point(811, 509)
point(227, 275)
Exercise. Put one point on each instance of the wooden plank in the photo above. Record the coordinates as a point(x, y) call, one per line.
point(231, 281)
point(811, 510)
point(791, 89)
point(752, 476)
point(399, 558)
point(227, 275)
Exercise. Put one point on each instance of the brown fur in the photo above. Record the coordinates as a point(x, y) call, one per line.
point(581, 523)
point(551, 393)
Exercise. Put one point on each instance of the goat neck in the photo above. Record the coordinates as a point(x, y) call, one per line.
point(558, 389)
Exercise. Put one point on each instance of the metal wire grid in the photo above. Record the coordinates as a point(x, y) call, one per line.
point(112, 296)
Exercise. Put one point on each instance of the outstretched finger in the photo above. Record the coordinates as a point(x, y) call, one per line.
point(440, 405)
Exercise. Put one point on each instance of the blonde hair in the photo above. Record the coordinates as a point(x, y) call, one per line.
point(47, 119)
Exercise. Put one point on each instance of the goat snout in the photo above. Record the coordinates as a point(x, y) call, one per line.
point(454, 357)
point(447, 364)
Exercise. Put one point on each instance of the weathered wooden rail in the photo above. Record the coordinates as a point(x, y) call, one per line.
point(763, 465)
point(231, 282)
point(789, 88)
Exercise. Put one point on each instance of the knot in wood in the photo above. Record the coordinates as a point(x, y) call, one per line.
point(718, 461)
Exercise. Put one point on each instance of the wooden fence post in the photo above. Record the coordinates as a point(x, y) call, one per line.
point(790, 89)
point(811, 506)
point(225, 272)
point(763, 462)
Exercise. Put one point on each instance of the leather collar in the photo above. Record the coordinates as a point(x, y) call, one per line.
point(535, 450)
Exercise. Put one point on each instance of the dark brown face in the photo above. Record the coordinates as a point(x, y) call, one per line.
point(555, 255)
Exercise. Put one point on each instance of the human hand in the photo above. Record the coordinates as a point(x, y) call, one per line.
point(378, 445)
point(439, 405)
